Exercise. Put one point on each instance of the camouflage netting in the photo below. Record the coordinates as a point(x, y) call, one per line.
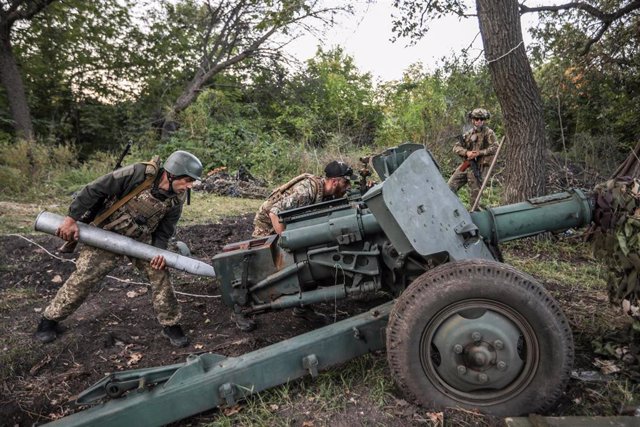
point(616, 240)
point(242, 184)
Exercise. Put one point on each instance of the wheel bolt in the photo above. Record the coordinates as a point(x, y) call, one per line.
point(483, 378)
point(457, 349)
point(476, 336)
point(498, 344)
point(502, 365)
point(462, 370)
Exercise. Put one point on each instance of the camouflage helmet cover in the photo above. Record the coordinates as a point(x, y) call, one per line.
point(480, 113)
point(183, 163)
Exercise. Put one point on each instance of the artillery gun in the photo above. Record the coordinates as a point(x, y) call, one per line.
point(465, 330)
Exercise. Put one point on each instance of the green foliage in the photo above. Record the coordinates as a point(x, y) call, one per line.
point(224, 132)
point(592, 92)
point(79, 59)
point(329, 99)
point(432, 108)
point(32, 170)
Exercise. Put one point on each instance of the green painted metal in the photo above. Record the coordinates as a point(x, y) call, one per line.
point(556, 212)
point(539, 421)
point(343, 225)
point(208, 381)
point(485, 347)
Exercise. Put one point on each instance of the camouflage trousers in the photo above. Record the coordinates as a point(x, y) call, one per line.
point(460, 178)
point(93, 265)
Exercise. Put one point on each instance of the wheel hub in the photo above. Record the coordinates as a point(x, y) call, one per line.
point(477, 349)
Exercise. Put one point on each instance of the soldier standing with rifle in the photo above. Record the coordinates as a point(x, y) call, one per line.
point(477, 147)
point(142, 201)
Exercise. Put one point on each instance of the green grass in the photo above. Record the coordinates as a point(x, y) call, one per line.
point(559, 261)
point(209, 208)
point(319, 400)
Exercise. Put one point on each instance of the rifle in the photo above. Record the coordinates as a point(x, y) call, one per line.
point(87, 217)
point(474, 166)
point(123, 155)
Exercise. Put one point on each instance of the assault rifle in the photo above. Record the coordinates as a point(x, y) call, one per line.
point(474, 166)
point(87, 217)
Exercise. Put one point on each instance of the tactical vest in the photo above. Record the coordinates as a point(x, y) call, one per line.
point(472, 143)
point(139, 217)
point(279, 193)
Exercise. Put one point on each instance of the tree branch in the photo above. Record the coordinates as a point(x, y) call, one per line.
point(606, 18)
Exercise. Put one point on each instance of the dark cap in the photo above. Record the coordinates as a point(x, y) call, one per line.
point(336, 169)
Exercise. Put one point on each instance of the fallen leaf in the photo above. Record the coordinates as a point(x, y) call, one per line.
point(134, 358)
point(606, 366)
point(57, 279)
point(307, 424)
point(231, 410)
point(132, 294)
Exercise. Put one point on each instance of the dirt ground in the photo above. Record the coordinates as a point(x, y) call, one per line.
point(115, 329)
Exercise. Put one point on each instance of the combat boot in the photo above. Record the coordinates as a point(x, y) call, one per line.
point(47, 330)
point(175, 335)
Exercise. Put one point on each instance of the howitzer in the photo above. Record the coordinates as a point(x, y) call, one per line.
point(464, 330)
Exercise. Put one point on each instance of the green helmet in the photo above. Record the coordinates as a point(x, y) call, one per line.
point(182, 163)
point(480, 113)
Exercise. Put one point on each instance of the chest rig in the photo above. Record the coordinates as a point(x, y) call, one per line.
point(139, 217)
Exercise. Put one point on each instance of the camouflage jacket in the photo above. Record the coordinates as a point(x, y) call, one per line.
point(117, 184)
point(484, 141)
point(304, 190)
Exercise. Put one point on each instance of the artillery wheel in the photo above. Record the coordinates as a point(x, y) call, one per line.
point(479, 335)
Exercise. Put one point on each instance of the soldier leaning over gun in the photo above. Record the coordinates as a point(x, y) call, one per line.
point(143, 201)
point(477, 147)
point(303, 190)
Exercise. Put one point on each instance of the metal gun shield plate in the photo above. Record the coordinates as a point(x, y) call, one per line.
point(418, 212)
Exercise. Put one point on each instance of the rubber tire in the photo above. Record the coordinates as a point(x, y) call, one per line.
point(479, 280)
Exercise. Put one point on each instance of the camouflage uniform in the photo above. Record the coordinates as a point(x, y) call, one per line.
point(303, 190)
point(150, 217)
point(486, 143)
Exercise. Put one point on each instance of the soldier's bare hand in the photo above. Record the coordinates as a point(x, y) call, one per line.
point(68, 230)
point(158, 262)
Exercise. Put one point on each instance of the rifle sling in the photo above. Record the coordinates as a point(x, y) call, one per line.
point(139, 189)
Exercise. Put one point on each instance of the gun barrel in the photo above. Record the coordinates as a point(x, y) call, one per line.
point(49, 222)
point(555, 212)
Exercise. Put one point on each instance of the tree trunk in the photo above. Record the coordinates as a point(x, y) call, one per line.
point(11, 80)
point(519, 99)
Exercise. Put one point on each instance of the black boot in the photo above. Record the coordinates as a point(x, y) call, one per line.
point(47, 330)
point(243, 322)
point(175, 335)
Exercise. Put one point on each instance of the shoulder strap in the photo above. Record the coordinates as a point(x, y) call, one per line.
point(139, 189)
point(291, 183)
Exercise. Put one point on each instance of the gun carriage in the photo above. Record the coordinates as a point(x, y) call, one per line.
point(464, 329)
